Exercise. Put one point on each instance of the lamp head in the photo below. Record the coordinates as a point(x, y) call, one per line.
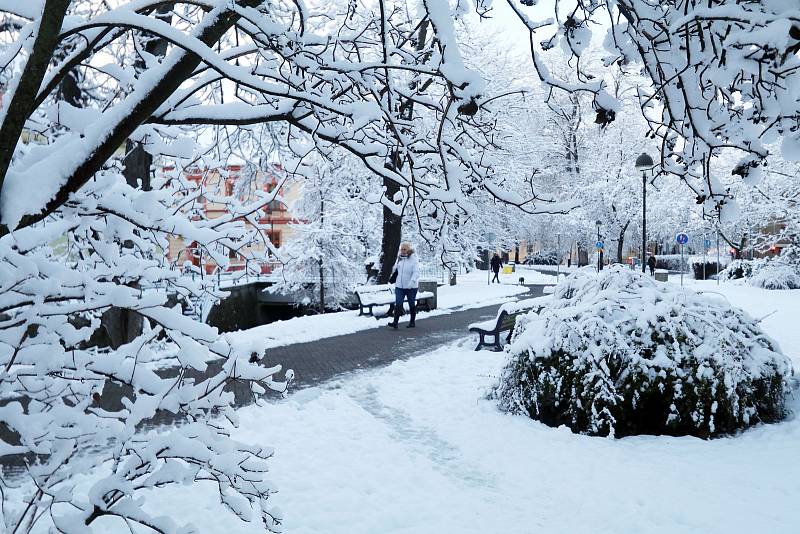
point(644, 162)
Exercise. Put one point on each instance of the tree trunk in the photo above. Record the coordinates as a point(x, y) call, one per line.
point(393, 224)
point(621, 241)
point(392, 234)
point(24, 96)
point(123, 325)
point(137, 165)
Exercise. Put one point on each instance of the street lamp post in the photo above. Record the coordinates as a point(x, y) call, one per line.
point(597, 246)
point(558, 254)
point(644, 163)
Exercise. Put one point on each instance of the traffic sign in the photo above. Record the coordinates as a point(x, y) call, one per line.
point(707, 243)
point(682, 238)
point(599, 244)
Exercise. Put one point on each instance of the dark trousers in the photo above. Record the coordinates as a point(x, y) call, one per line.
point(652, 271)
point(401, 294)
point(496, 277)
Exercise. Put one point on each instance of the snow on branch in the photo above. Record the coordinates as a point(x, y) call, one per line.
point(722, 77)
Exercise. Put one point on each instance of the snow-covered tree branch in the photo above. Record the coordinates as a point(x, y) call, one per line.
point(724, 75)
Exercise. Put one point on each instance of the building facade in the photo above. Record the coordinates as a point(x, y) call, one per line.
point(218, 187)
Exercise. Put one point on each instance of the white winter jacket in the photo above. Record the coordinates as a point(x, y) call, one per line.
point(407, 272)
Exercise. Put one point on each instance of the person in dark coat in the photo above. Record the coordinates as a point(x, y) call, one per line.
point(651, 263)
point(496, 263)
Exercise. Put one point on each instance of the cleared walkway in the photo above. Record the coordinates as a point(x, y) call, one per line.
point(318, 361)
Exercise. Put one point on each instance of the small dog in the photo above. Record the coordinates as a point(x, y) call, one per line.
point(521, 280)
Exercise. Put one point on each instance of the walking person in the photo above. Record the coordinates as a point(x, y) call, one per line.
point(651, 263)
point(496, 263)
point(406, 271)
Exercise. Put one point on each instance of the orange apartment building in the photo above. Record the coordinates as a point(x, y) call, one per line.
point(237, 180)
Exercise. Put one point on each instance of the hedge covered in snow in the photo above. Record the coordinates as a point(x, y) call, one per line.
point(776, 275)
point(542, 258)
point(781, 272)
point(617, 354)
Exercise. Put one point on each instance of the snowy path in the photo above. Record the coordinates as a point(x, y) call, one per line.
point(318, 361)
point(472, 291)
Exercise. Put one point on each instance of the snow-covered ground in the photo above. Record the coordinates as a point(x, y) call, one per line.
point(415, 448)
point(471, 291)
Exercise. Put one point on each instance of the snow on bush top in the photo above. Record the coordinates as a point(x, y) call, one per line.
point(617, 342)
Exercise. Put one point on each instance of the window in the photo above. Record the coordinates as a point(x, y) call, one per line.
point(275, 205)
point(274, 238)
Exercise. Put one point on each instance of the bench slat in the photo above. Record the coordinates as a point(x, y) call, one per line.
point(374, 289)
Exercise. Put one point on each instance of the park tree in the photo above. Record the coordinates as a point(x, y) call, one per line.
point(333, 235)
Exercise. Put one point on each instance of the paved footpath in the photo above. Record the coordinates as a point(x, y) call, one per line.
point(318, 361)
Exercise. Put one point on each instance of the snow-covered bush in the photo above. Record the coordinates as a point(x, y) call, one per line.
point(703, 270)
point(706, 265)
point(671, 262)
point(782, 272)
point(791, 255)
point(737, 269)
point(542, 258)
point(617, 354)
point(776, 275)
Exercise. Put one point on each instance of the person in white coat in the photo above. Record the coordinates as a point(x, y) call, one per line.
point(406, 284)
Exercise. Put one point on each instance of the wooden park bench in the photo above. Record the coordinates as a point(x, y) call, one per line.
point(383, 295)
point(506, 319)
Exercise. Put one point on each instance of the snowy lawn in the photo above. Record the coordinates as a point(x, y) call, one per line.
point(414, 448)
point(470, 292)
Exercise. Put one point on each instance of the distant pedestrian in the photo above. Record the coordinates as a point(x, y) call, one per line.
point(496, 263)
point(651, 263)
point(406, 284)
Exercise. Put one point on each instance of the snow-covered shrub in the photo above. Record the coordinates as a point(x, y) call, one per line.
point(671, 262)
point(776, 275)
point(617, 354)
point(703, 271)
point(791, 256)
point(542, 258)
point(697, 262)
point(782, 272)
point(737, 269)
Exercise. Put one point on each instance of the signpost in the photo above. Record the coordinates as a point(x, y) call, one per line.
point(681, 239)
point(558, 254)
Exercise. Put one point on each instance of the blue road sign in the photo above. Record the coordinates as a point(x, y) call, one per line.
point(599, 244)
point(707, 243)
point(682, 238)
